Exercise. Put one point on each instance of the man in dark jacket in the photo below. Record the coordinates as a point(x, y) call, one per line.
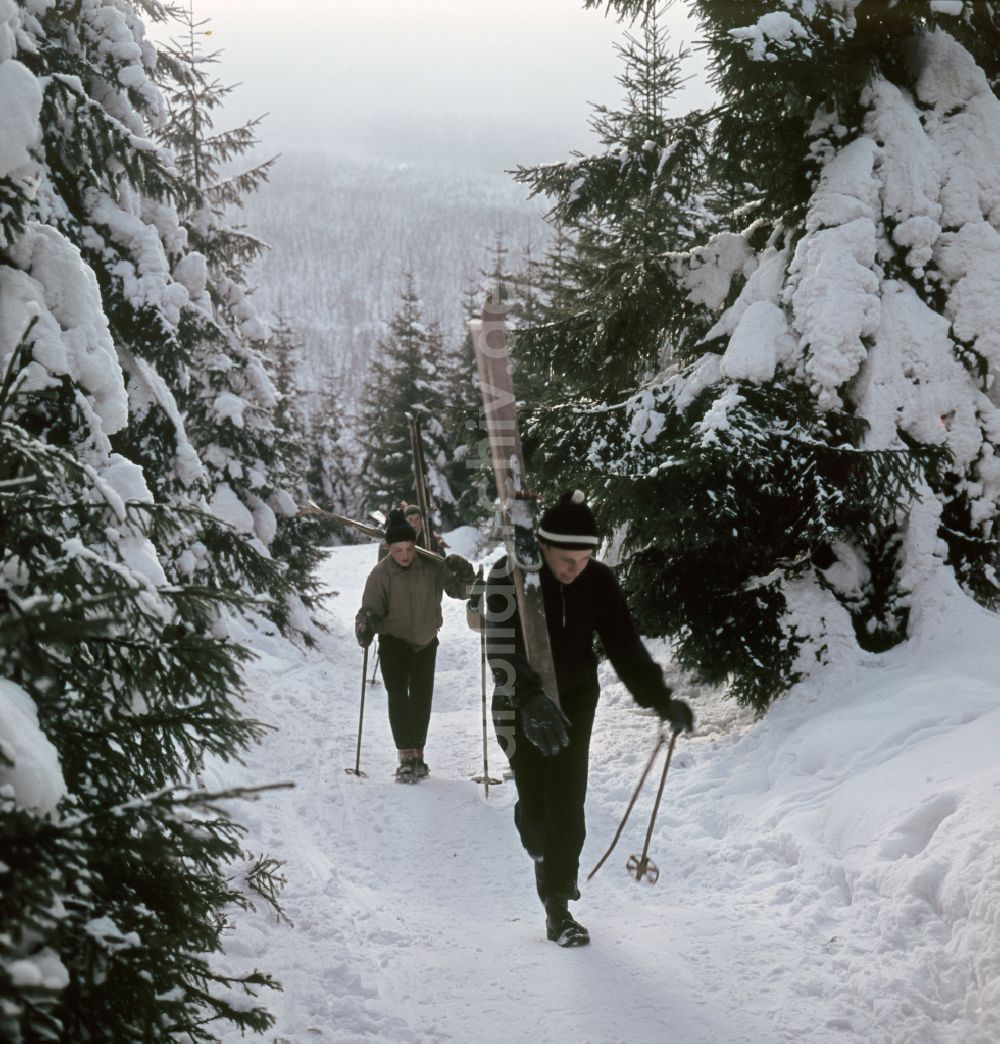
point(548, 743)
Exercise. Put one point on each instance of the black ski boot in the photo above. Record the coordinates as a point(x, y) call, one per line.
point(561, 928)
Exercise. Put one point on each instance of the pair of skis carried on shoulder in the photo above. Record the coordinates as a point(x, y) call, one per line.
point(517, 505)
point(312, 508)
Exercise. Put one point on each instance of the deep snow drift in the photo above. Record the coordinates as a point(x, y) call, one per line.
point(830, 873)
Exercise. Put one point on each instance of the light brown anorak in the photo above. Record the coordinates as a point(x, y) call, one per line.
point(406, 602)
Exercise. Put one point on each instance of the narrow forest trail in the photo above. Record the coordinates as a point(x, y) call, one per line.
point(413, 909)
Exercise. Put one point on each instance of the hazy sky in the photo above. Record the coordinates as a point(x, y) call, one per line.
point(367, 74)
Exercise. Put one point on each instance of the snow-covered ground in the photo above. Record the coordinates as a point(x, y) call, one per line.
point(831, 873)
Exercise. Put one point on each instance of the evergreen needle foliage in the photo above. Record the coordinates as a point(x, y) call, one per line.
point(119, 570)
point(817, 457)
point(122, 892)
point(410, 375)
point(254, 470)
point(732, 511)
point(623, 210)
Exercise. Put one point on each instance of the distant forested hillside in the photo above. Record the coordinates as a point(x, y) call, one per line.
point(342, 232)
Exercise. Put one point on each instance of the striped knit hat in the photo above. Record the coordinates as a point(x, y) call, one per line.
point(569, 524)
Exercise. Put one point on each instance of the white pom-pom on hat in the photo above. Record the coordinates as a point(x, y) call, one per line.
point(569, 523)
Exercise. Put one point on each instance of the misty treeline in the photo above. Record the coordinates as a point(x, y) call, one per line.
point(386, 241)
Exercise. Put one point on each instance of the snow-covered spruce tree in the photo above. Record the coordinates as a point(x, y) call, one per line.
point(623, 209)
point(529, 297)
point(468, 470)
point(330, 476)
point(407, 377)
point(298, 447)
point(113, 886)
point(229, 400)
point(113, 880)
point(544, 297)
point(825, 466)
point(554, 278)
point(529, 309)
point(284, 358)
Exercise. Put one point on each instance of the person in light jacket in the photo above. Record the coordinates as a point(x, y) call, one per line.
point(402, 605)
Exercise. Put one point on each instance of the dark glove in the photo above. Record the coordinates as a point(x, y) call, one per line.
point(544, 724)
point(363, 630)
point(677, 712)
point(462, 569)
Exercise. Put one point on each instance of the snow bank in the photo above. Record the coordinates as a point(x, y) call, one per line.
point(830, 873)
point(860, 813)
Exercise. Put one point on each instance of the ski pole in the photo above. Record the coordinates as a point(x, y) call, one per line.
point(356, 771)
point(643, 866)
point(486, 779)
point(631, 804)
point(375, 666)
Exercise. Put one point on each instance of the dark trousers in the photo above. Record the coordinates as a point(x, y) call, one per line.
point(409, 680)
point(551, 792)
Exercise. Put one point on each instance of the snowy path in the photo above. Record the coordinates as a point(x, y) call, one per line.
point(414, 911)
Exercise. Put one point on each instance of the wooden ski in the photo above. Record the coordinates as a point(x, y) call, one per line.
point(420, 480)
point(518, 506)
point(313, 508)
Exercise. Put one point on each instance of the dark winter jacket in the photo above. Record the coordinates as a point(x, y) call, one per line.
point(593, 604)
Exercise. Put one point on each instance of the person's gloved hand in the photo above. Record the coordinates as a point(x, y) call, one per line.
point(677, 712)
point(461, 568)
point(363, 630)
point(544, 724)
point(462, 572)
